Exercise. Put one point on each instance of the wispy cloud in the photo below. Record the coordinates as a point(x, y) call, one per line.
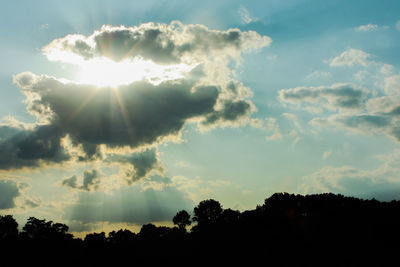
point(367, 28)
point(326, 154)
point(245, 15)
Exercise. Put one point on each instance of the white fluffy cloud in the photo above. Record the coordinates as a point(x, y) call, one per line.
point(351, 57)
point(162, 43)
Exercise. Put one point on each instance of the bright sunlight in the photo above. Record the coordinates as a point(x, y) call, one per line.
point(105, 72)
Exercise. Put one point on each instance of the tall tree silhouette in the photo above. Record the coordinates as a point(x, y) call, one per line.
point(182, 219)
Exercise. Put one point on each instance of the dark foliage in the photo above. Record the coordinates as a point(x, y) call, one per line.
point(285, 222)
point(182, 219)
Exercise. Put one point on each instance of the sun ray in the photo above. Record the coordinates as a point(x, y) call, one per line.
point(124, 113)
point(82, 105)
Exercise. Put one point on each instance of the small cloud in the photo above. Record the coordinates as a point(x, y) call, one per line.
point(272, 125)
point(245, 15)
point(337, 96)
point(326, 154)
point(367, 28)
point(318, 75)
point(32, 203)
point(256, 123)
point(90, 181)
point(44, 26)
point(183, 164)
point(294, 119)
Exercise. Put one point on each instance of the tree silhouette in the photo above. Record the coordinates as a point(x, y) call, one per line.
point(182, 219)
point(207, 212)
point(8, 228)
point(95, 240)
point(285, 221)
point(45, 230)
point(121, 237)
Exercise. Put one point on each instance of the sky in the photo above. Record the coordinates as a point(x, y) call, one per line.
point(115, 114)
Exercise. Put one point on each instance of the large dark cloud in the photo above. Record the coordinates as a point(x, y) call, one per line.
point(136, 114)
point(139, 115)
point(8, 192)
point(30, 148)
point(161, 43)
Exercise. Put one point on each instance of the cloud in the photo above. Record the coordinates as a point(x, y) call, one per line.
point(9, 191)
point(384, 105)
point(369, 124)
point(139, 165)
point(294, 120)
point(351, 57)
point(326, 154)
point(245, 15)
point(136, 115)
point(230, 113)
point(31, 148)
point(71, 182)
point(271, 124)
point(381, 183)
point(367, 28)
point(381, 116)
point(129, 205)
point(161, 43)
point(337, 96)
point(387, 69)
point(83, 122)
point(318, 75)
point(392, 85)
point(90, 181)
point(355, 109)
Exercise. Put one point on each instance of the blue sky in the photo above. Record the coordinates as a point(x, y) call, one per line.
point(314, 107)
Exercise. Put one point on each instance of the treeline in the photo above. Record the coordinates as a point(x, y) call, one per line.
point(284, 221)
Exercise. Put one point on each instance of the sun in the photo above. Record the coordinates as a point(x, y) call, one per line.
point(106, 72)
